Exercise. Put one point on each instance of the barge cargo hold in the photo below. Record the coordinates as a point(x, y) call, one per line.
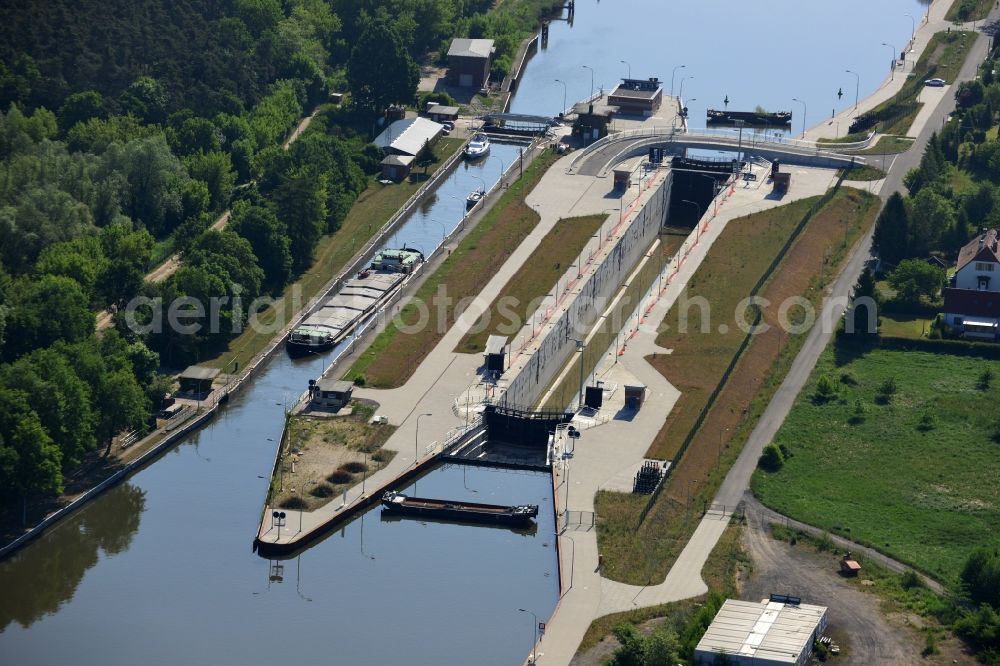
point(494, 514)
point(358, 298)
point(775, 118)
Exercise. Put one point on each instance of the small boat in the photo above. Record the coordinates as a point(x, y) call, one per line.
point(479, 146)
point(475, 197)
point(750, 117)
point(422, 507)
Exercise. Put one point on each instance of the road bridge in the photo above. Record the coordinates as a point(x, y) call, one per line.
point(598, 158)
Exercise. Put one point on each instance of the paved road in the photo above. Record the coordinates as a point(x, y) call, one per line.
point(738, 480)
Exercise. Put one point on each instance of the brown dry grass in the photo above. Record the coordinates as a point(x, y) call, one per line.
point(638, 553)
point(547, 263)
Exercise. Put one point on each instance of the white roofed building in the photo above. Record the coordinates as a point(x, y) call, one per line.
point(766, 633)
point(401, 141)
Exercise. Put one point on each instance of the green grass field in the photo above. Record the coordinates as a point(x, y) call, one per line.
point(916, 477)
point(969, 10)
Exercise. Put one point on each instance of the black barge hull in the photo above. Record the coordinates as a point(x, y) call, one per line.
point(466, 512)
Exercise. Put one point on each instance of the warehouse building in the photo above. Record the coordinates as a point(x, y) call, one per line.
point(768, 633)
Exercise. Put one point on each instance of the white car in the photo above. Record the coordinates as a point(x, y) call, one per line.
point(935, 83)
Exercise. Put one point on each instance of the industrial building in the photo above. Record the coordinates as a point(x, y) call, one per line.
point(768, 633)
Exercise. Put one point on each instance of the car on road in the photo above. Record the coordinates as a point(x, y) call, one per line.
point(448, 125)
point(935, 83)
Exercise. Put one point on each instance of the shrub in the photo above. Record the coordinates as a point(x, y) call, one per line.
point(359, 380)
point(380, 456)
point(322, 490)
point(860, 410)
point(909, 580)
point(824, 543)
point(771, 460)
point(848, 379)
point(354, 467)
point(886, 391)
point(926, 424)
point(295, 502)
point(340, 477)
point(825, 391)
point(930, 644)
point(985, 379)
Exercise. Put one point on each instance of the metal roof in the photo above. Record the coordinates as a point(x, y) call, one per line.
point(765, 632)
point(408, 136)
point(471, 48)
point(337, 385)
point(199, 373)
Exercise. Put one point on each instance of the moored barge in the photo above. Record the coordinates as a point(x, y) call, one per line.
point(750, 117)
point(494, 514)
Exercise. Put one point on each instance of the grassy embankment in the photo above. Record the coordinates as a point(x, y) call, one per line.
point(913, 474)
point(522, 294)
point(726, 565)
point(943, 58)
point(334, 453)
point(371, 210)
point(394, 355)
point(637, 552)
point(969, 10)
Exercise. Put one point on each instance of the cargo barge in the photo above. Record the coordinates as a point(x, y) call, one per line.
point(357, 299)
point(493, 514)
point(749, 117)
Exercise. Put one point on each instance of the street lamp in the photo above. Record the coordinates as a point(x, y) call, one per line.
point(563, 109)
point(857, 86)
point(534, 633)
point(805, 111)
point(580, 347)
point(572, 559)
point(696, 207)
point(591, 81)
point(672, 73)
point(627, 64)
point(913, 29)
point(892, 75)
point(680, 93)
point(416, 438)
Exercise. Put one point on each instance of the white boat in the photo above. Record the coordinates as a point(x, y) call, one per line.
point(475, 197)
point(478, 147)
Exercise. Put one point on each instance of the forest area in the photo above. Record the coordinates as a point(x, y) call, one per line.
point(126, 129)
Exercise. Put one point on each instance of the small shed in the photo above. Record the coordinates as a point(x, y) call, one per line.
point(782, 181)
point(493, 356)
point(397, 167)
point(197, 379)
point(440, 113)
point(334, 393)
point(635, 395)
point(469, 62)
point(623, 179)
point(592, 120)
point(849, 566)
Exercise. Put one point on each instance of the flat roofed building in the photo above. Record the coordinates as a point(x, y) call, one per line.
point(197, 379)
point(766, 633)
point(332, 392)
point(640, 97)
point(408, 136)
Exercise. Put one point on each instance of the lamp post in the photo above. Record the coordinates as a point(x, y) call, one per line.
point(627, 64)
point(857, 86)
point(680, 93)
point(580, 347)
point(672, 73)
point(805, 111)
point(739, 147)
point(591, 81)
point(913, 29)
point(697, 219)
point(572, 559)
point(534, 633)
point(563, 109)
point(892, 74)
point(416, 438)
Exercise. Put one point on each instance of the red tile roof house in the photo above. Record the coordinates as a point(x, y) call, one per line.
point(972, 302)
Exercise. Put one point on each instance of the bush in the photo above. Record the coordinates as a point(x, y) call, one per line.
point(354, 467)
point(886, 391)
point(340, 477)
point(322, 490)
point(771, 460)
point(927, 423)
point(826, 390)
point(985, 379)
point(380, 456)
point(295, 502)
point(909, 580)
point(860, 411)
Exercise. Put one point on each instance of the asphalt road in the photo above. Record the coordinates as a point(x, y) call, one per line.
point(737, 482)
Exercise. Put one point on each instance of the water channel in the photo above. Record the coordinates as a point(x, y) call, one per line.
point(159, 570)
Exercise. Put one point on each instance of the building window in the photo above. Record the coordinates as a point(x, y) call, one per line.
point(984, 266)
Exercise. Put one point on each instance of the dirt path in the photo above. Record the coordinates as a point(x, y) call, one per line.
point(854, 616)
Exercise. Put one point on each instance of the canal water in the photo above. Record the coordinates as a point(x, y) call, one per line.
point(160, 570)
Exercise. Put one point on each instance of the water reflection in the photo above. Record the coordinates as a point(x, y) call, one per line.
point(36, 586)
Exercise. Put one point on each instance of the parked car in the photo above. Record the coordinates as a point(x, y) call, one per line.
point(448, 125)
point(935, 83)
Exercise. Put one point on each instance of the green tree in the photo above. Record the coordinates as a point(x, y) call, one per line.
point(45, 310)
point(215, 169)
point(930, 217)
point(127, 252)
point(155, 182)
point(771, 460)
point(30, 462)
point(81, 259)
point(914, 279)
point(892, 230)
point(145, 98)
point(380, 72)
point(259, 15)
point(269, 241)
point(981, 576)
point(80, 107)
point(195, 135)
point(301, 199)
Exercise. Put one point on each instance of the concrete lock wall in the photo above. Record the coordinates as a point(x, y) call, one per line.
point(526, 388)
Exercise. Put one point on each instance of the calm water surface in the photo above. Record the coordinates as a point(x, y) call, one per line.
point(160, 571)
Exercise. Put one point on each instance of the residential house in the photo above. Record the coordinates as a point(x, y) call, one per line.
point(469, 62)
point(972, 301)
